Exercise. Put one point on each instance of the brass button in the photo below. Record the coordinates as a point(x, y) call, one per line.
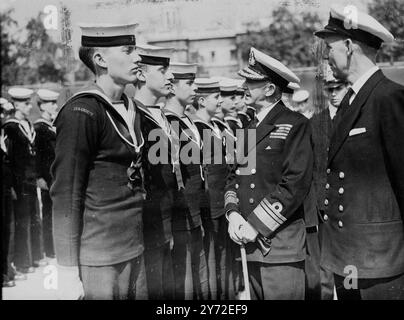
point(341, 191)
point(252, 185)
point(326, 202)
point(341, 175)
point(340, 224)
point(237, 186)
point(253, 171)
point(237, 171)
point(341, 208)
point(327, 186)
point(251, 200)
point(328, 171)
point(325, 217)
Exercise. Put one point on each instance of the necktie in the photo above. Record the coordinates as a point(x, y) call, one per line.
point(343, 106)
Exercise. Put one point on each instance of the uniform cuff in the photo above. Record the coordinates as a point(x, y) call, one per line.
point(267, 217)
point(231, 201)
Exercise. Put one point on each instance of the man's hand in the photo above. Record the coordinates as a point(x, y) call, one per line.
point(235, 223)
point(41, 183)
point(248, 233)
point(70, 286)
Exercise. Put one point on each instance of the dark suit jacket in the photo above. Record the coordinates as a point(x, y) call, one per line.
point(270, 194)
point(365, 196)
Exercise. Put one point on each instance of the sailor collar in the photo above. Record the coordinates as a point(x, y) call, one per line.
point(30, 134)
point(210, 125)
point(128, 122)
point(226, 126)
point(194, 130)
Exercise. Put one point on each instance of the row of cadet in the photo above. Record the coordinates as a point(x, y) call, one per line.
point(28, 151)
point(127, 225)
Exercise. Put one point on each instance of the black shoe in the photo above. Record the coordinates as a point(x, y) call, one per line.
point(40, 263)
point(18, 276)
point(26, 270)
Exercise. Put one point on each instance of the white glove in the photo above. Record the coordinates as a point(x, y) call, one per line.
point(236, 221)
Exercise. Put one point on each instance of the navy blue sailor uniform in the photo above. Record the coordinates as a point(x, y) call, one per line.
point(214, 221)
point(190, 269)
point(45, 154)
point(98, 193)
point(244, 118)
point(228, 269)
point(364, 193)
point(160, 182)
point(234, 123)
point(21, 153)
point(7, 213)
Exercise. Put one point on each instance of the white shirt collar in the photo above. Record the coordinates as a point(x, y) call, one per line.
point(362, 79)
point(332, 110)
point(264, 111)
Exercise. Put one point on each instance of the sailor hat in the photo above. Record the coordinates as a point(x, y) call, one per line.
point(292, 87)
point(154, 55)
point(351, 23)
point(207, 85)
point(228, 87)
point(183, 71)
point(263, 67)
point(300, 96)
point(330, 81)
point(47, 95)
point(20, 94)
point(108, 35)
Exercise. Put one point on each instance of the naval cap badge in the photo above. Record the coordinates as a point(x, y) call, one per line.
point(251, 59)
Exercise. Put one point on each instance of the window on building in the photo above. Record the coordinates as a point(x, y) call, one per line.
point(212, 55)
point(233, 54)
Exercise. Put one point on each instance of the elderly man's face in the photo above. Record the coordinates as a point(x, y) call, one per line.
point(255, 93)
point(336, 53)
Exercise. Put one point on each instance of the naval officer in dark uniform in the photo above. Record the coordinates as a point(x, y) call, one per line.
point(97, 189)
point(154, 83)
point(363, 236)
point(264, 200)
point(45, 154)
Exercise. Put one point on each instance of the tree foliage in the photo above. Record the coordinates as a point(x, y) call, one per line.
point(390, 13)
point(288, 38)
point(8, 44)
point(34, 59)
